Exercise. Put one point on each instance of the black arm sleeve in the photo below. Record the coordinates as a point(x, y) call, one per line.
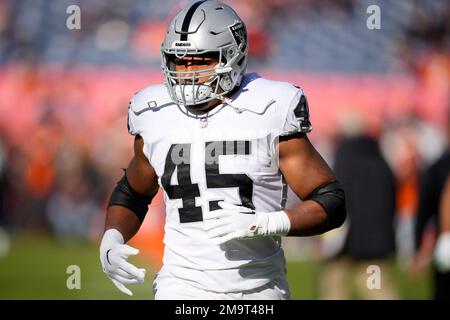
point(124, 195)
point(331, 197)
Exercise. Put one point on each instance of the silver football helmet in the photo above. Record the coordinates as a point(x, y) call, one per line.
point(205, 28)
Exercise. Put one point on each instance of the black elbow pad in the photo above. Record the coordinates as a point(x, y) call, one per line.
point(331, 197)
point(124, 195)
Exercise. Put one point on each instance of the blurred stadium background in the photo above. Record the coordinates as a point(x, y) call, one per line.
point(63, 139)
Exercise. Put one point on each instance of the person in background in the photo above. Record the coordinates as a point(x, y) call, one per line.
point(370, 238)
point(431, 196)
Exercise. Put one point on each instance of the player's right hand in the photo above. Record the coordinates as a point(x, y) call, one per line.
point(113, 256)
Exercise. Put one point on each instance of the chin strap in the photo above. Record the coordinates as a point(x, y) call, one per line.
point(240, 110)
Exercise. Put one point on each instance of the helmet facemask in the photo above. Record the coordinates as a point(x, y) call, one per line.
point(189, 88)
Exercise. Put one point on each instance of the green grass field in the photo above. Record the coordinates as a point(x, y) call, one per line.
point(35, 268)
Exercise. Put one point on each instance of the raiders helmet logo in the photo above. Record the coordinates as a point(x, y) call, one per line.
point(239, 34)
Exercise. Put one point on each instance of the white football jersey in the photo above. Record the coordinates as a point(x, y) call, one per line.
point(226, 155)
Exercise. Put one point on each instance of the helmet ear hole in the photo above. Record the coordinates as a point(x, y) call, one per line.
point(224, 60)
point(241, 61)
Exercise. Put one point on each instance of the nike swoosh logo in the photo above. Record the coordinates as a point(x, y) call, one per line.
point(107, 258)
point(215, 33)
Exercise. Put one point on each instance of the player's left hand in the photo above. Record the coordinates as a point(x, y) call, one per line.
point(234, 222)
point(442, 252)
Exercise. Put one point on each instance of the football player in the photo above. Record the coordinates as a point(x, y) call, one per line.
point(224, 146)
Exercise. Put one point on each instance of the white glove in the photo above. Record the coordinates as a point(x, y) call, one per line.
point(238, 222)
point(442, 252)
point(113, 256)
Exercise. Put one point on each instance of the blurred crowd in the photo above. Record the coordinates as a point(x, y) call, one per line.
point(321, 35)
point(63, 138)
